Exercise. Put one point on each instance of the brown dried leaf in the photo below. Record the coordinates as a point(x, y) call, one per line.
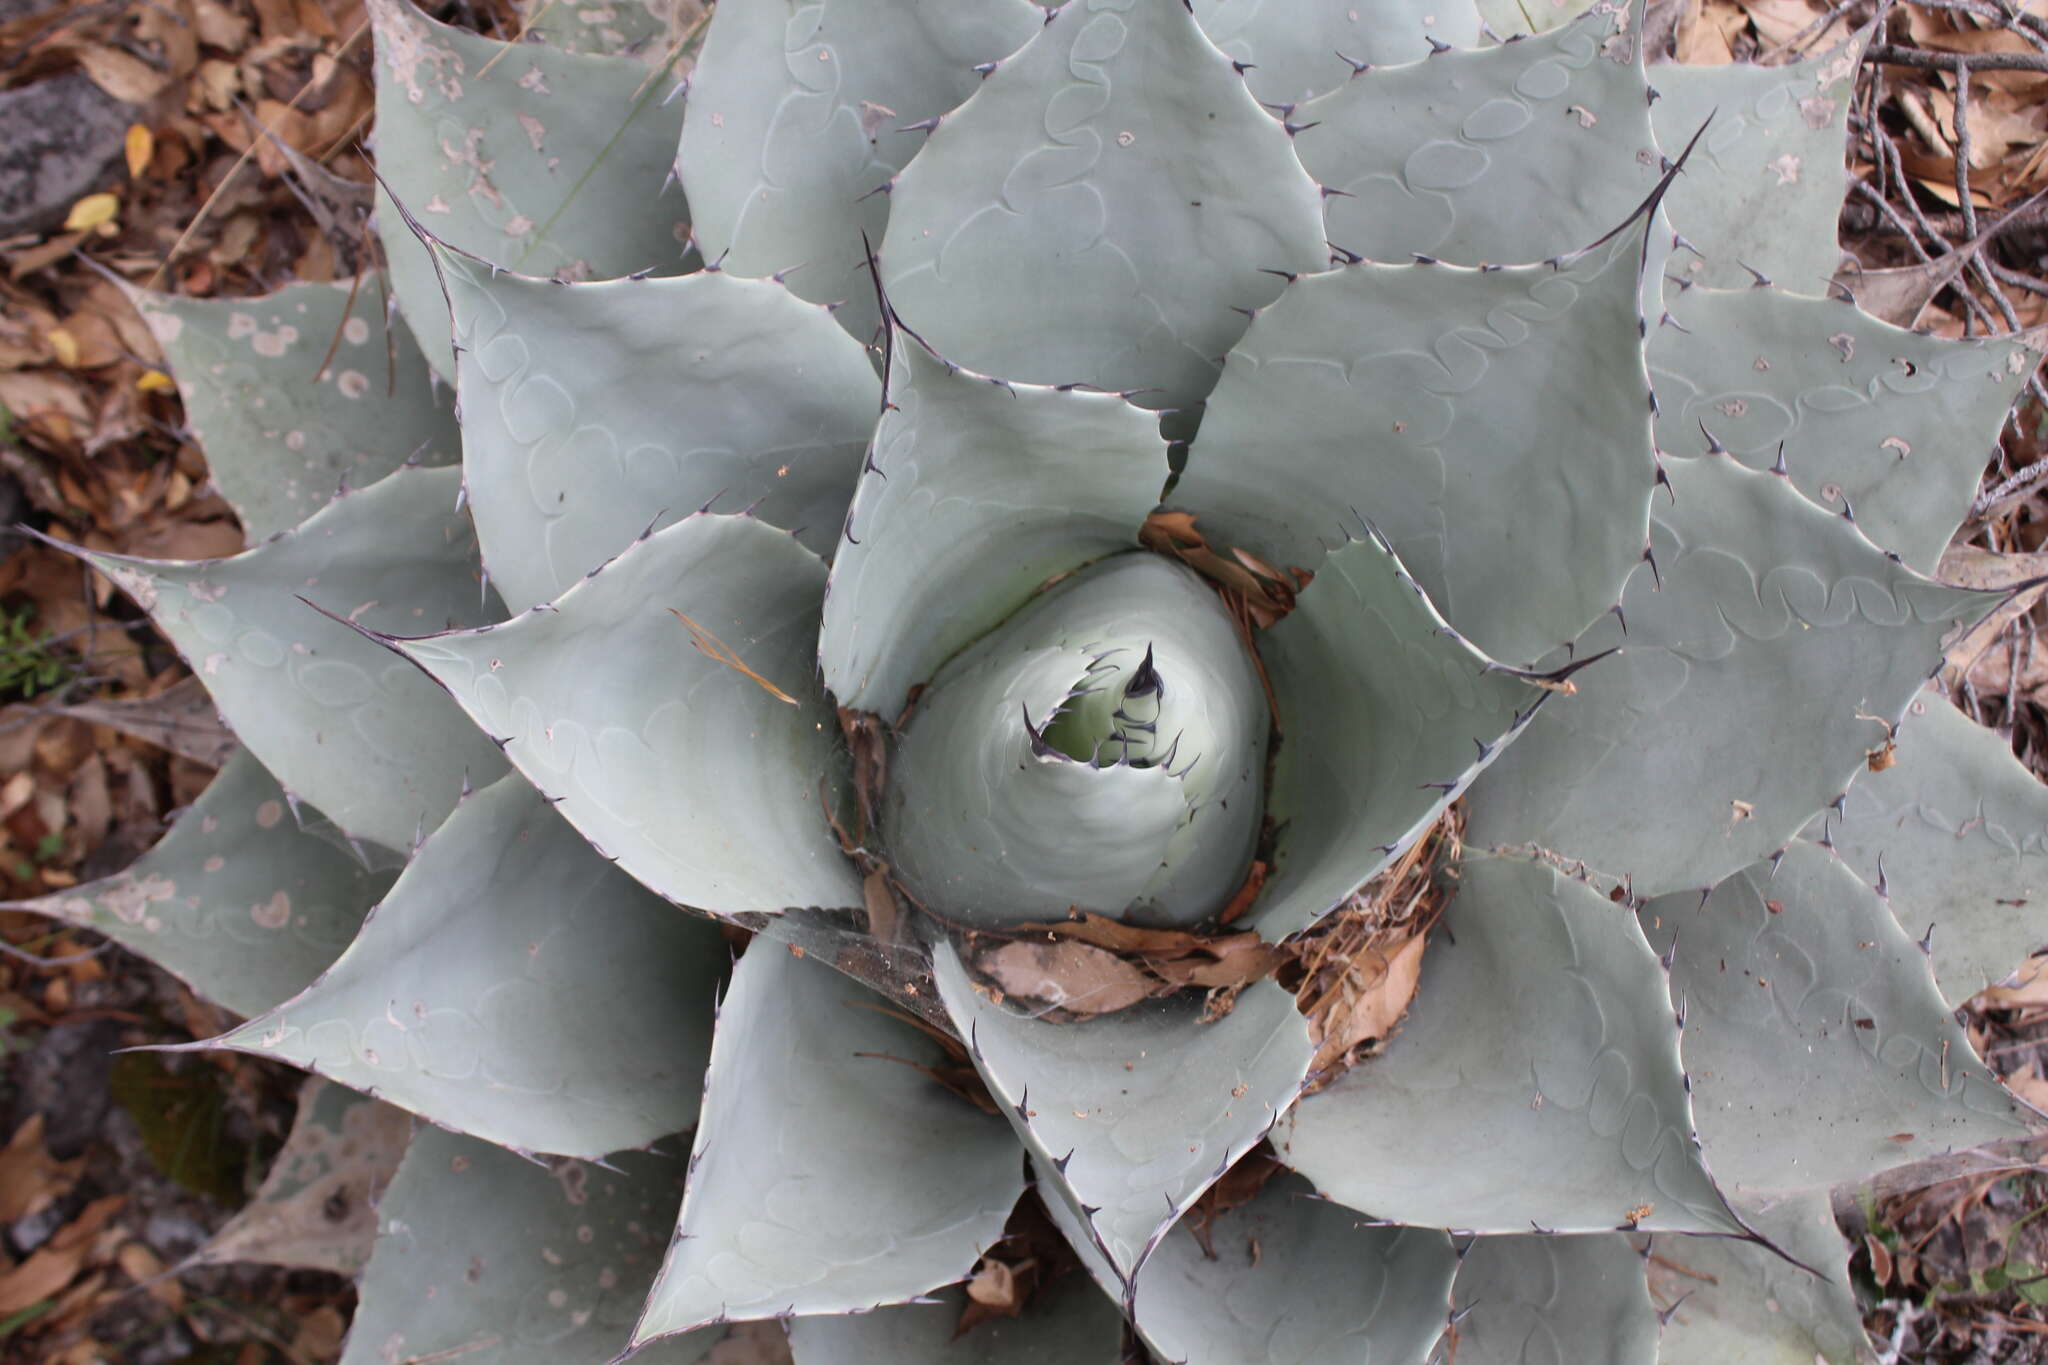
point(1072, 976)
point(30, 1178)
point(1375, 993)
point(58, 1261)
point(121, 74)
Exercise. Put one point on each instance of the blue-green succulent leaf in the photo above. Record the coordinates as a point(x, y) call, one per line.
point(800, 112)
point(237, 901)
point(1103, 749)
point(1294, 52)
point(1131, 1115)
point(483, 1254)
point(1295, 1280)
point(1426, 398)
point(1819, 1048)
point(547, 162)
point(1529, 1298)
point(1737, 1303)
point(1891, 424)
point(1386, 715)
point(589, 409)
point(1460, 157)
point(1100, 208)
point(1068, 1321)
point(1764, 187)
point(514, 986)
point(832, 1173)
point(1962, 831)
point(1766, 649)
point(1536, 1082)
point(697, 753)
point(648, 29)
point(339, 722)
point(317, 1207)
point(978, 493)
point(296, 393)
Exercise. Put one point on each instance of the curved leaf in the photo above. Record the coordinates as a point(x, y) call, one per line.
point(317, 1207)
point(801, 111)
point(1131, 1115)
point(1871, 417)
point(514, 986)
point(1962, 831)
point(1765, 650)
point(590, 408)
point(296, 393)
point(1056, 477)
point(1734, 1303)
point(1536, 1081)
point(1387, 716)
point(674, 746)
point(831, 1174)
point(1426, 398)
point(526, 164)
point(482, 1252)
point(343, 726)
point(1067, 1321)
point(1113, 194)
point(643, 28)
point(1292, 52)
point(1527, 1298)
point(237, 901)
point(1460, 157)
point(1103, 749)
point(1821, 1051)
point(1296, 1280)
point(1764, 187)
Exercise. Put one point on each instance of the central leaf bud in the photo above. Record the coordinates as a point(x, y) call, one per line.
point(1102, 750)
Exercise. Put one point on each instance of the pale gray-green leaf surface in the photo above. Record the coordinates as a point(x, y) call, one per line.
point(1737, 1303)
point(1962, 831)
point(1764, 187)
point(591, 410)
point(1132, 1115)
point(1819, 1049)
point(1763, 654)
point(1099, 208)
point(1892, 425)
point(338, 721)
point(1534, 1300)
point(483, 1254)
point(603, 696)
point(801, 111)
point(1294, 51)
point(979, 492)
point(831, 1174)
point(236, 900)
point(1426, 399)
point(1104, 748)
point(1296, 1280)
point(1536, 1081)
point(297, 392)
point(1068, 1321)
point(1461, 157)
point(550, 162)
point(1386, 717)
point(514, 986)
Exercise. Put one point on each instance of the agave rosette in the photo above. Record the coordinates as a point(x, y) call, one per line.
point(810, 598)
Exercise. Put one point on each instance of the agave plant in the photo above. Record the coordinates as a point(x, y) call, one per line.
point(1086, 497)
